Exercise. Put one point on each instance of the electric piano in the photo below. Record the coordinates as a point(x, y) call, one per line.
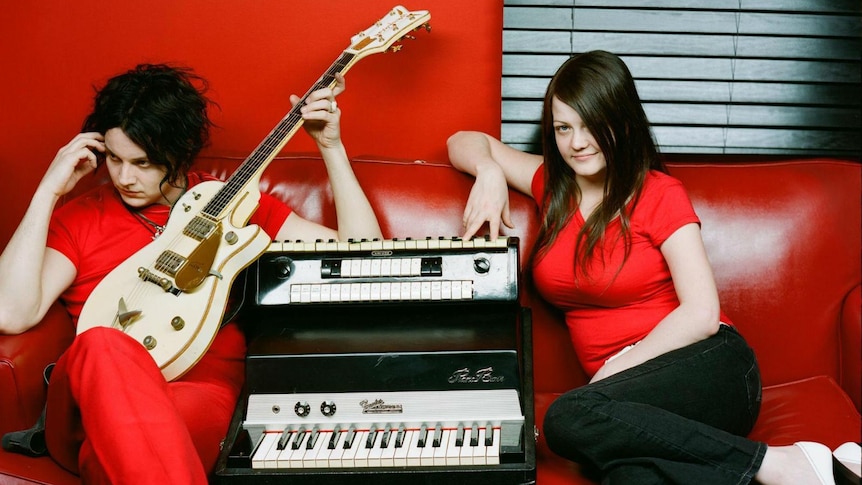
point(384, 362)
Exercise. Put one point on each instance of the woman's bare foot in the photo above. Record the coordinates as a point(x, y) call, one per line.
point(796, 464)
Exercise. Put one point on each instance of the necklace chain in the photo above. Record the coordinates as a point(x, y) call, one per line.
point(156, 228)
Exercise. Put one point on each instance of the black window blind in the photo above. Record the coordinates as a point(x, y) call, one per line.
point(773, 77)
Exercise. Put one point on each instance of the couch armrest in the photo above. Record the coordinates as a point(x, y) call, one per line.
point(851, 346)
point(22, 359)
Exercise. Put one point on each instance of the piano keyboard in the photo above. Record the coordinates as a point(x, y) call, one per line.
point(357, 430)
point(374, 447)
point(294, 272)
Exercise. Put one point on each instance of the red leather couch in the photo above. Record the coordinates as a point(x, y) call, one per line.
point(783, 235)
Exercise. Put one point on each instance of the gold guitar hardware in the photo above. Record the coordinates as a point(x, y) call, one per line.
point(178, 323)
point(149, 342)
point(231, 238)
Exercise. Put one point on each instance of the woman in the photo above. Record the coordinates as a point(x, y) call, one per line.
point(111, 416)
point(674, 388)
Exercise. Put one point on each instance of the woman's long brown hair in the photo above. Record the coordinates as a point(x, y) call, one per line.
point(599, 86)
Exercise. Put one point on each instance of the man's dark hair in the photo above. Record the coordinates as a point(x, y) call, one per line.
point(161, 108)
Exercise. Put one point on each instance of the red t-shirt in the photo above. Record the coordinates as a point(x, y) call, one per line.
point(97, 232)
point(607, 311)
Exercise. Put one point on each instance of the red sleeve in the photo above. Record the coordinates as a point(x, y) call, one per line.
point(270, 214)
point(666, 205)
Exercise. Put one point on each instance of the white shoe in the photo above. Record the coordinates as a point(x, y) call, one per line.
point(850, 456)
point(820, 458)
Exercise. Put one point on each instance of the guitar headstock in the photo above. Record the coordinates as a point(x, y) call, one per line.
point(388, 30)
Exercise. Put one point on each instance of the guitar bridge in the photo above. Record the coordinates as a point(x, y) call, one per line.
point(151, 277)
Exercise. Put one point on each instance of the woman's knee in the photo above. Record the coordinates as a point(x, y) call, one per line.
point(570, 418)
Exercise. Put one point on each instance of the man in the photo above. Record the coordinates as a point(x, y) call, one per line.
point(111, 416)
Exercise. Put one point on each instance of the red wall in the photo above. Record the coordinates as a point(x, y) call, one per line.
point(255, 54)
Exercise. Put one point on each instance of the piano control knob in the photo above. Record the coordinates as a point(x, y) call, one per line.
point(327, 408)
point(302, 409)
point(481, 265)
point(283, 267)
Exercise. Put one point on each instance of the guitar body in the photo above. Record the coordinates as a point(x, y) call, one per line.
point(176, 326)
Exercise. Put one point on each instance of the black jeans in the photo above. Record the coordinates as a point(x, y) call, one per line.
point(679, 418)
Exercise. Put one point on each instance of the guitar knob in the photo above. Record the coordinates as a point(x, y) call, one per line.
point(149, 342)
point(231, 238)
point(178, 323)
point(302, 409)
point(327, 408)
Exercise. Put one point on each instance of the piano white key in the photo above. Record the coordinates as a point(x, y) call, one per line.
point(394, 267)
point(387, 454)
point(336, 453)
point(415, 290)
point(492, 454)
point(349, 456)
point(416, 267)
point(386, 267)
point(335, 292)
point(453, 446)
point(305, 293)
point(465, 456)
point(365, 268)
point(456, 290)
point(414, 452)
point(268, 442)
point(425, 290)
point(295, 293)
point(401, 452)
point(295, 458)
point(364, 291)
point(325, 293)
point(467, 290)
point(385, 291)
point(315, 293)
point(376, 451)
point(346, 268)
point(446, 290)
point(319, 457)
point(388, 244)
point(426, 453)
point(375, 268)
point(375, 292)
point(441, 448)
point(422, 244)
point(479, 449)
point(405, 266)
point(436, 290)
point(355, 292)
point(355, 268)
point(362, 450)
point(410, 244)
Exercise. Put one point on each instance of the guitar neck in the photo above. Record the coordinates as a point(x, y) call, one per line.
point(266, 151)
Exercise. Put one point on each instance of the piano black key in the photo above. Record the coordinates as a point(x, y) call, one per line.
point(459, 435)
point(399, 438)
point(474, 435)
point(312, 438)
point(372, 435)
point(351, 435)
point(423, 436)
point(336, 432)
point(300, 436)
point(384, 441)
point(438, 434)
point(489, 434)
point(286, 435)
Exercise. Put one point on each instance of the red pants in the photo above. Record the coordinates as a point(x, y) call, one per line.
point(112, 417)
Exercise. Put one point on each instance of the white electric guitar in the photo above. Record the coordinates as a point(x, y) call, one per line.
point(171, 295)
